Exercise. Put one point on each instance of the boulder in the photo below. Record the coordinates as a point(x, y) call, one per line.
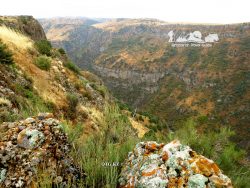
point(34, 145)
point(153, 165)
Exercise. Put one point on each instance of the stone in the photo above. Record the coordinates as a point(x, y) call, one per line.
point(42, 116)
point(29, 121)
point(170, 165)
point(197, 181)
point(2, 174)
point(24, 147)
point(30, 138)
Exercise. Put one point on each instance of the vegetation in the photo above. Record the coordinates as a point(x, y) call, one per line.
point(23, 19)
point(100, 88)
point(106, 150)
point(73, 67)
point(192, 55)
point(27, 101)
point(101, 154)
point(152, 118)
point(43, 62)
point(61, 51)
point(217, 146)
point(217, 56)
point(5, 55)
point(72, 103)
point(168, 53)
point(18, 40)
point(44, 47)
point(123, 106)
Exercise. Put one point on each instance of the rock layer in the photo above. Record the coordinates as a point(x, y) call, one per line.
point(26, 25)
point(153, 165)
point(32, 145)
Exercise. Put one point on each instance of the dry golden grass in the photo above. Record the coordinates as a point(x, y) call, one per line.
point(142, 130)
point(203, 109)
point(43, 82)
point(4, 101)
point(14, 39)
point(95, 115)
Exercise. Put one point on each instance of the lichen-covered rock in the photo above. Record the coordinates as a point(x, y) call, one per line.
point(153, 165)
point(32, 145)
point(30, 138)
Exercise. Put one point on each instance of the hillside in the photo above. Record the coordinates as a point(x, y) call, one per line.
point(61, 127)
point(136, 60)
point(39, 83)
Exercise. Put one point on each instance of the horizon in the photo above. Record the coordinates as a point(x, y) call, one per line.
point(139, 18)
point(192, 11)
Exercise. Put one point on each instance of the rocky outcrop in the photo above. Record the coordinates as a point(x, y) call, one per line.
point(26, 25)
point(134, 77)
point(153, 165)
point(35, 144)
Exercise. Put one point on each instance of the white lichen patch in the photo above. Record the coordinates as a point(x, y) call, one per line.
point(197, 181)
point(2, 174)
point(30, 138)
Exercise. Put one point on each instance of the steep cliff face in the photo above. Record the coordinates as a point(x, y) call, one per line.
point(126, 82)
point(24, 24)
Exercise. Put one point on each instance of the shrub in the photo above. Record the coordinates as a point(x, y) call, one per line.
point(72, 103)
point(192, 55)
point(100, 88)
point(123, 106)
point(28, 101)
point(73, 67)
point(168, 54)
point(44, 47)
point(152, 118)
point(88, 95)
point(43, 62)
point(61, 51)
point(5, 55)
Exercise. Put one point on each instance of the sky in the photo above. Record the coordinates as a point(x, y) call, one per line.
point(195, 11)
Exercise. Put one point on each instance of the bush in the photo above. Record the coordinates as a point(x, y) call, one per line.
point(88, 95)
point(27, 101)
point(152, 118)
point(72, 66)
point(61, 51)
point(192, 55)
point(43, 62)
point(44, 47)
point(100, 88)
point(72, 103)
point(5, 55)
point(168, 54)
point(123, 106)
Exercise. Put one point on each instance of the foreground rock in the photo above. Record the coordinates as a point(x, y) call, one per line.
point(33, 146)
point(153, 165)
